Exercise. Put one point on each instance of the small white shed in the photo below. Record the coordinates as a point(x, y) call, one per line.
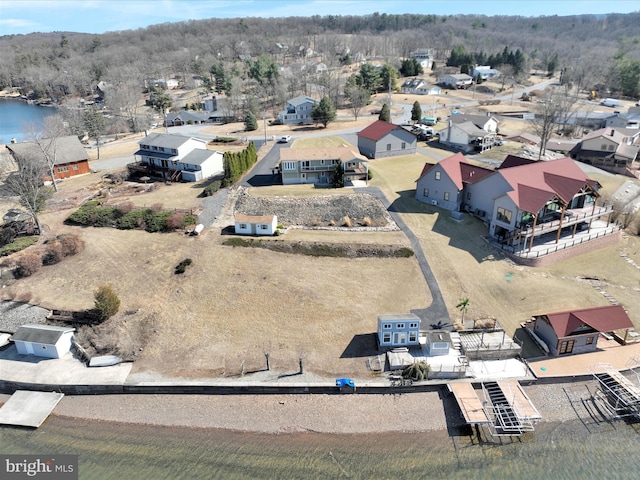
point(43, 340)
point(439, 343)
point(256, 224)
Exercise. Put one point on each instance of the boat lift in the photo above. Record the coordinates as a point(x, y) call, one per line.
point(616, 394)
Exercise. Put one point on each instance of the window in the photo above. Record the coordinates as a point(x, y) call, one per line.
point(400, 325)
point(603, 146)
point(413, 325)
point(386, 326)
point(611, 148)
point(403, 146)
point(437, 175)
point(566, 347)
point(413, 337)
point(388, 147)
point(425, 193)
point(589, 340)
point(446, 196)
point(243, 226)
point(263, 227)
point(386, 337)
point(63, 169)
point(503, 215)
point(75, 167)
point(288, 165)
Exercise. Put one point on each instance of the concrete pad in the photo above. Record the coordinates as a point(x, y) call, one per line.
point(29, 409)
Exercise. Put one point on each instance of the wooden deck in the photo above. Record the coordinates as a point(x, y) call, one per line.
point(469, 403)
point(519, 400)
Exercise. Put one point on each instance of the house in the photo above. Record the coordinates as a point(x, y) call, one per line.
point(398, 330)
point(255, 224)
point(470, 132)
point(311, 165)
point(185, 117)
point(612, 149)
point(526, 138)
point(175, 158)
point(383, 139)
point(623, 120)
point(527, 201)
point(419, 86)
point(67, 154)
point(424, 56)
point(444, 183)
point(164, 83)
point(577, 331)
point(458, 80)
point(484, 71)
point(43, 340)
point(298, 111)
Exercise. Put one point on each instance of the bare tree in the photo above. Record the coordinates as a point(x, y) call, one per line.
point(45, 139)
point(358, 98)
point(27, 186)
point(553, 109)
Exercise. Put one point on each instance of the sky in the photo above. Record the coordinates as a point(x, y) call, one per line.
point(99, 16)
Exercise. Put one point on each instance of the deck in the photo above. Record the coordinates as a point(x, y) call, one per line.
point(470, 404)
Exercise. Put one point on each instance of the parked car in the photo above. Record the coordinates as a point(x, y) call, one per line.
point(498, 142)
point(285, 139)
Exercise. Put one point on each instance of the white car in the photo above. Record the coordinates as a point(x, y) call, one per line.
point(285, 139)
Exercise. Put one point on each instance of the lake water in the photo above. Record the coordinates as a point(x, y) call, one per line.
point(568, 450)
point(16, 115)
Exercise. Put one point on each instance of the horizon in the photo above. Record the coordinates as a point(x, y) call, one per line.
point(23, 17)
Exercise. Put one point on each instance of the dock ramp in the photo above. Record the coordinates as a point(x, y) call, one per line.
point(28, 409)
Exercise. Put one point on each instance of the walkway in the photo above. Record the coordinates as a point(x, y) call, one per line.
point(437, 311)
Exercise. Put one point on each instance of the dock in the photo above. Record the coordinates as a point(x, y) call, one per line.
point(521, 403)
point(470, 405)
point(29, 409)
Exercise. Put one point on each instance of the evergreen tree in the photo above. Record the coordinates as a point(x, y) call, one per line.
point(416, 112)
point(385, 113)
point(107, 302)
point(324, 112)
point(250, 122)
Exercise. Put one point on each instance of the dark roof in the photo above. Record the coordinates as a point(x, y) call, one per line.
point(198, 156)
point(515, 161)
point(66, 149)
point(166, 140)
point(45, 334)
point(600, 319)
point(378, 130)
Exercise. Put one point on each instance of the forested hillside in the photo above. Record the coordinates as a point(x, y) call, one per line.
point(589, 50)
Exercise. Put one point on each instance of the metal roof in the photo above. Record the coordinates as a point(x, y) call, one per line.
point(44, 334)
point(66, 149)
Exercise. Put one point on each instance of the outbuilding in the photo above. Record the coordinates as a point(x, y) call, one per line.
point(256, 224)
point(43, 340)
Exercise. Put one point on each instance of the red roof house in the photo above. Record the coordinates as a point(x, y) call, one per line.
point(383, 139)
point(577, 331)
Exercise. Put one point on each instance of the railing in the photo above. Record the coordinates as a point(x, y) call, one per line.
point(571, 218)
point(318, 168)
point(538, 252)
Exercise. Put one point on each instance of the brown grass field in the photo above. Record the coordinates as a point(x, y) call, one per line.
point(235, 304)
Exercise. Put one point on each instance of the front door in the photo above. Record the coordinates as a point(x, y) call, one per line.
point(303, 177)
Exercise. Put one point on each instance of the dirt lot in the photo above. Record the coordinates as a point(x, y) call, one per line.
point(235, 304)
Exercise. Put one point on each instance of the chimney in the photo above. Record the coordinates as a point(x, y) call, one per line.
point(612, 132)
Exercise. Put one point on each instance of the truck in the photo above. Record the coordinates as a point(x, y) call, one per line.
point(610, 102)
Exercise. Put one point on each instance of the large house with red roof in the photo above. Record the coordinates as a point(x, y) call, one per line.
point(444, 183)
point(577, 331)
point(383, 139)
point(521, 201)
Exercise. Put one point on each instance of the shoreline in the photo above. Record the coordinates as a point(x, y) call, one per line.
point(279, 414)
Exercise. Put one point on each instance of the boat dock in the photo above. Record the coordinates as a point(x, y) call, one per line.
point(29, 409)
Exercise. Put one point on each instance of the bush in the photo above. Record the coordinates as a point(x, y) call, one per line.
point(18, 244)
point(124, 207)
point(404, 252)
point(225, 139)
point(189, 220)
point(212, 188)
point(28, 264)
point(346, 222)
point(107, 302)
point(366, 221)
point(175, 221)
point(53, 253)
point(277, 121)
point(71, 244)
point(182, 266)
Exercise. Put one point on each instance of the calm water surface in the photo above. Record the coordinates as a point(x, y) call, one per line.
point(15, 115)
point(571, 450)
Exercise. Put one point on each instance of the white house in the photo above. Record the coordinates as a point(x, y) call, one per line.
point(256, 224)
point(398, 330)
point(484, 71)
point(298, 111)
point(419, 86)
point(43, 340)
point(424, 56)
point(176, 157)
point(470, 132)
point(459, 80)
